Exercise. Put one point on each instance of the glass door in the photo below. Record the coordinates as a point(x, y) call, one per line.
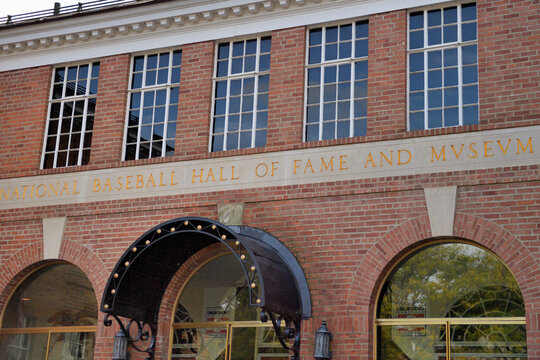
point(245, 340)
point(452, 339)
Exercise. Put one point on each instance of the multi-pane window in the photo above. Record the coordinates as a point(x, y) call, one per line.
point(443, 67)
point(242, 76)
point(337, 68)
point(153, 105)
point(71, 116)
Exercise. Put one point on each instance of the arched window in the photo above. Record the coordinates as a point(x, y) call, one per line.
point(214, 320)
point(51, 316)
point(451, 301)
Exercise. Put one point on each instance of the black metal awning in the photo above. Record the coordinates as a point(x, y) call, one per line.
point(139, 279)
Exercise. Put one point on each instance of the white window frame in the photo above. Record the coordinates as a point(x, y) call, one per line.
point(86, 97)
point(256, 74)
point(458, 44)
point(144, 88)
point(323, 64)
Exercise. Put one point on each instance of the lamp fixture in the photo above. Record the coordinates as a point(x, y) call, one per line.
point(120, 346)
point(322, 342)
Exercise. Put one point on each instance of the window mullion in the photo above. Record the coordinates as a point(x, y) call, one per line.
point(48, 344)
point(351, 96)
point(57, 140)
point(321, 101)
point(83, 132)
point(323, 70)
point(227, 101)
point(426, 73)
point(139, 125)
point(255, 112)
point(240, 110)
point(166, 121)
point(447, 340)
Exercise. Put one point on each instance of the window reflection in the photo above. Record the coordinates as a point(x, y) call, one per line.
point(450, 52)
point(214, 308)
point(73, 100)
point(241, 92)
point(432, 278)
point(451, 293)
point(155, 79)
point(53, 296)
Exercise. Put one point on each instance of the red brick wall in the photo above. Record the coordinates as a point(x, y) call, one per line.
point(346, 235)
point(509, 63)
point(193, 129)
point(286, 98)
point(108, 134)
point(23, 113)
point(387, 75)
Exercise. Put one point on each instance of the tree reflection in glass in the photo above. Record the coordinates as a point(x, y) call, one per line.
point(444, 283)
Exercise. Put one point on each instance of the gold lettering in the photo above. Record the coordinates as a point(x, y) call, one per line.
point(199, 176)
point(119, 183)
point(41, 186)
point(221, 178)
point(487, 148)
point(151, 180)
point(107, 184)
point(326, 166)
point(32, 192)
point(97, 185)
point(274, 168)
point(128, 182)
point(140, 182)
point(65, 188)
point(296, 166)
point(504, 150)
point(520, 145)
point(24, 191)
point(370, 159)
point(399, 162)
point(457, 154)
point(75, 192)
point(343, 162)
point(232, 174)
point(210, 173)
point(387, 160)
point(440, 155)
point(265, 169)
point(6, 196)
point(473, 150)
point(172, 179)
point(15, 193)
point(161, 180)
point(52, 189)
point(308, 164)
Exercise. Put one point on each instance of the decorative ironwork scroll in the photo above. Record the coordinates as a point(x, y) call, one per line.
point(142, 334)
point(292, 330)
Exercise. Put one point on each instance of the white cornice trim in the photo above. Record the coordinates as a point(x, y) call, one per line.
point(170, 24)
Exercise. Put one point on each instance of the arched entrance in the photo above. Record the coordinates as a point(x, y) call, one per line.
point(214, 320)
point(451, 301)
point(272, 279)
point(52, 315)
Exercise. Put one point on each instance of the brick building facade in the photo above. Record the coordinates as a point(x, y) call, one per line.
point(354, 146)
